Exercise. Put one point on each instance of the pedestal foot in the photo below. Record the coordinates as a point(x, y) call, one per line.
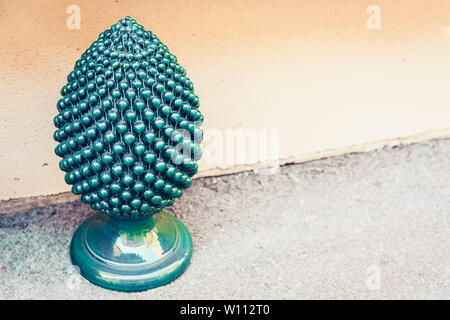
point(131, 255)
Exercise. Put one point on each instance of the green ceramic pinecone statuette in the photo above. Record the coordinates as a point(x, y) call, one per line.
point(128, 133)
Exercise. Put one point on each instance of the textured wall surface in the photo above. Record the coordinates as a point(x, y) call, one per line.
point(310, 69)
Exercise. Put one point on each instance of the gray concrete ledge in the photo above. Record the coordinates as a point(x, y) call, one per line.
point(325, 229)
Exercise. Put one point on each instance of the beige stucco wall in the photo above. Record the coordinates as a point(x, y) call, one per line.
point(310, 69)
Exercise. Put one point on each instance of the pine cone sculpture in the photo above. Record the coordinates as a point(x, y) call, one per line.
point(128, 124)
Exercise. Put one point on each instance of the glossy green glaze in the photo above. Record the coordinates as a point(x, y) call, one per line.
point(128, 133)
point(128, 125)
point(131, 255)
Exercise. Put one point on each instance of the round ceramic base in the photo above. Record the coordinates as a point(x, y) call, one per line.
point(131, 255)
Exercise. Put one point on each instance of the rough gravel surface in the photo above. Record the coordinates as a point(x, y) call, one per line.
point(359, 226)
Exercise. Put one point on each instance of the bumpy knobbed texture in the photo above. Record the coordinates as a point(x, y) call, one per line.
point(128, 124)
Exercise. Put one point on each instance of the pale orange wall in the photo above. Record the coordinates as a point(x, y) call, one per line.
point(311, 69)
